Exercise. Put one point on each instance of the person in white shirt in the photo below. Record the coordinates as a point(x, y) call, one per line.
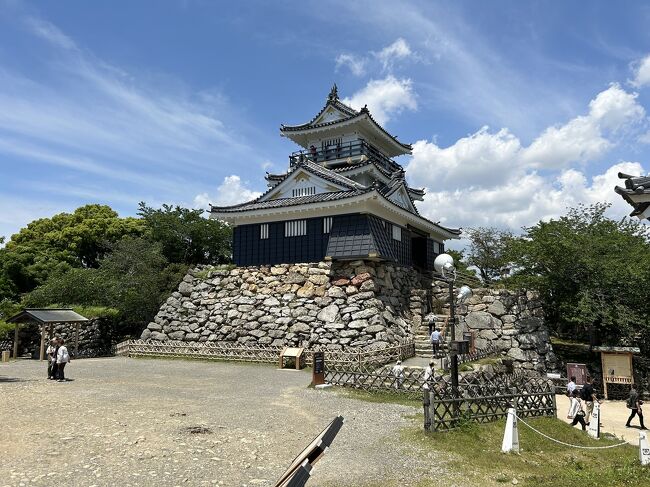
point(436, 337)
point(571, 386)
point(62, 358)
point(398, 373)
point(576, 413)
point(428, 375)
point(51, 358)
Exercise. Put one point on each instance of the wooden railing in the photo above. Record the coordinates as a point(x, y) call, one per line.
point(366, 358)
point(343, 151)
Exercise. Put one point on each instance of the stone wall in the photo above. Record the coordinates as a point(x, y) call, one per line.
point(353, 304)
point(341, 305)
point(512, 321)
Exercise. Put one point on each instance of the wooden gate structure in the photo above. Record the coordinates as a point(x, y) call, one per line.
point(46, 318)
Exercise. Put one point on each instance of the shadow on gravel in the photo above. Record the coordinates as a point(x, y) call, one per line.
point(10, 379)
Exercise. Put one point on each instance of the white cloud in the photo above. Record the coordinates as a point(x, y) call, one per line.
point(385, 97)
point(585, 138)
point(525, 200)
point(50, 33)
point(481, 158)
point(397, 50)
point(356, 64)
point(486, 160)
point(230, 192)
point(491, 179)
point(641, 73)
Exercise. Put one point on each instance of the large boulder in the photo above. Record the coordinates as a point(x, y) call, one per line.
point(480, 320)
point(328, 314)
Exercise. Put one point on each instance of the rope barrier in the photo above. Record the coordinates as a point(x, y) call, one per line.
point(568, 444)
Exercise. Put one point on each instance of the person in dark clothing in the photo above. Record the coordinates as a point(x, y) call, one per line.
point(588, 395)
point(52, 350)
point(634, 404)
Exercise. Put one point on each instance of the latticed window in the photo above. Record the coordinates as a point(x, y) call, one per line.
point(303, 191)
point(295, 228)
point(327, 224)
point(264, 231)
point(397, 233)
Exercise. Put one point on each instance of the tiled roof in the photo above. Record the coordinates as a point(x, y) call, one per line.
point(351, 114)
point(284, 202)
point(330, 175)
point(318, 170)
point(369, 162)
point(634, 186)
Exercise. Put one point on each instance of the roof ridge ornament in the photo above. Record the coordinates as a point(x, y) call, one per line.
point(334, 93)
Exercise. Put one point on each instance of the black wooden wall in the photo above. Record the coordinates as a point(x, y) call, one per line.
point(354, 236)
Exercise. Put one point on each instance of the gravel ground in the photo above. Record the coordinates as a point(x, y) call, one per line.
point(125, 422)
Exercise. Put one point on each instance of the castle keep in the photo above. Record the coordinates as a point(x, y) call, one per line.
point(342, 198)
point(335, 254)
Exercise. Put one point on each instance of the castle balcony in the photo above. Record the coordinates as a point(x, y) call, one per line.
point(345, 153)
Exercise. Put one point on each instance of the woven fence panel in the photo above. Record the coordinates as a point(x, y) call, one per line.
point(366, 359)
point(485, 397)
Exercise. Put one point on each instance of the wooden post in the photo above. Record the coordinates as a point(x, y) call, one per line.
point(16, 340)
point(76, 339)
point(42, 353)
point(602, 366)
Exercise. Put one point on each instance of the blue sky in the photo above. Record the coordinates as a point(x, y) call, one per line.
point(516, 109)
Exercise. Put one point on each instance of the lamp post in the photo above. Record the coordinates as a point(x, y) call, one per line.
point(444, 264)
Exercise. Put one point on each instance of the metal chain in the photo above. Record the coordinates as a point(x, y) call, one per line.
point(568, 444)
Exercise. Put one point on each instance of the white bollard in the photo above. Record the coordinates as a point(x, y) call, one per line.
point(594, 422)
point(644, 449)
point(511, 434)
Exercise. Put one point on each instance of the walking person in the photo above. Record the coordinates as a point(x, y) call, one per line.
point(428, 376)
point(398, 373)
point(62, 358)
point(588, 395)
point(51, 351)
point(571, 386)
point(431, 321)
point(436, 337)
point(576, 413)
point(634, 404)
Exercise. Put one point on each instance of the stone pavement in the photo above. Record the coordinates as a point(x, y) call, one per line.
point(613, 415)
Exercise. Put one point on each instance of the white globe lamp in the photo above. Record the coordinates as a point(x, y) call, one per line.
point(464, 293)
point(443, 264)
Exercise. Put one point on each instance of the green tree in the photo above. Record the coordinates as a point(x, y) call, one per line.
point(487, 251)
point(186, 236)
point(134, 278)
point(67, 240)
point(593, 272)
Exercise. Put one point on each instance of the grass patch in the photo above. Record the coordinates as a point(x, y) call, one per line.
point(541, 462)
point(378, 397)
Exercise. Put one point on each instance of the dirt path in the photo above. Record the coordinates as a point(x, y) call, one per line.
point(613, 415)
point(124, 422)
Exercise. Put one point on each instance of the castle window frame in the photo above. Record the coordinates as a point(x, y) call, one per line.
point(295, 228)
point(327, 224)
point(397, 233)
point(264, 231)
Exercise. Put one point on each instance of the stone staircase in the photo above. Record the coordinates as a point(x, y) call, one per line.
point(422, 341)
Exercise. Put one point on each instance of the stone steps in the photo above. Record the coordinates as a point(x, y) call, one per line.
point(423, 342)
